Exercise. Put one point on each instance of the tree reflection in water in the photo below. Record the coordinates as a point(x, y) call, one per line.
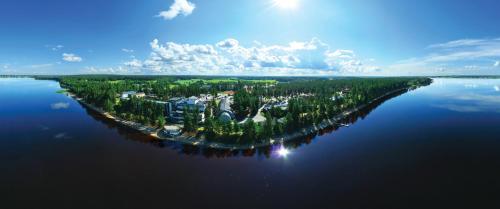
point(134, 135)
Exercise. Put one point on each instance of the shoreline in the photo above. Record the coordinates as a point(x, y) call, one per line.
point(193, 141)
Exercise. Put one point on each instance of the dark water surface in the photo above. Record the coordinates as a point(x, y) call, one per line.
point(435, 147)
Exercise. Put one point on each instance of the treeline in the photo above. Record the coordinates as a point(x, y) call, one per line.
point(162, 88)
point(142, 111)
point(105, 94)
point(332, 86)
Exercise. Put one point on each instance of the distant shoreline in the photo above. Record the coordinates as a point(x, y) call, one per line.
point(55, 77)
point(194, 141)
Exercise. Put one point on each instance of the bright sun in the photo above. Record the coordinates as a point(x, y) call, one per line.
point(286, 4)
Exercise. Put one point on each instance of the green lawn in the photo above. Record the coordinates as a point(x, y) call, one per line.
point(224, 81)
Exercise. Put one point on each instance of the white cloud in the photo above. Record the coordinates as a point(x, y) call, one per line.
point(5, 69)
point(183, 7)
point(228, 43)
point(341, 59)
point(229, 57)
point(59, 105)
point(496, 64)
point(54, 47)
point(134, 63)
point(41, 65)
point(454, 57)
point(124, 70)
point(340, 54)
point(57, 48)
point(128, 50)
point(459, 43)
point(472, 67)
point(347, 62)
point(71, 58)
point(496, 87)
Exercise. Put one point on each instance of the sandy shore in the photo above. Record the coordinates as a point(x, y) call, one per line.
point(190, 140)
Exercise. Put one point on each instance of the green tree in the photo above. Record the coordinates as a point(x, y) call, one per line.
point(278, 128)
point(108, 106)
point(209, 126)
point(160, 121)
point(189, 124)
point(227, 128)
point(249, 131)
point(289, 123)
point(268, 130)
point(236, 128)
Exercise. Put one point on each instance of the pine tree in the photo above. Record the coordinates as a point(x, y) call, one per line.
point(249, 131)
point(210, 128)
point(108, 106)
point(268, 126)
point(236, 128)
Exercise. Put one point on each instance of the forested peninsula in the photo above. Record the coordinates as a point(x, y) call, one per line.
point(230, 112)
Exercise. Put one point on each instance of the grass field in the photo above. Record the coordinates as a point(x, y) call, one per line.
point(224, 81)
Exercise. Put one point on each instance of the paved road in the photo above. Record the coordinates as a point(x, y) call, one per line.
point(258, 117)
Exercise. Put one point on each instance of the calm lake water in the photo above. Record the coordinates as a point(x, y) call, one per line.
point(435, 147)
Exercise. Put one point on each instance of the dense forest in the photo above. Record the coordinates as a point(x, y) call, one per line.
point(309, 101)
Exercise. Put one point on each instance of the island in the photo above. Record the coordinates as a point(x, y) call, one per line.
point(230, 113)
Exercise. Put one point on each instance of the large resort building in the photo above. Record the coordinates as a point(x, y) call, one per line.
point(225, 112)
point(175, 108)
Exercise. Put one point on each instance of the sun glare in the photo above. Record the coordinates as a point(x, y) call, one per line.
point(283, 152)
point(286, 4)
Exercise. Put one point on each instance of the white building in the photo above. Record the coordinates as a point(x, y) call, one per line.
point(226, 114)
point(128, 94)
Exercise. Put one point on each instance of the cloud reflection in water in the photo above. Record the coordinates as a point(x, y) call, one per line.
point(473, 95)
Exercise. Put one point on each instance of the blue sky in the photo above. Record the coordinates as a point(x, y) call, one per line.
point(250, 37)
